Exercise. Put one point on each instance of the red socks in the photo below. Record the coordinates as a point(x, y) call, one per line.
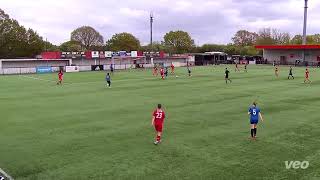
point(158, 138)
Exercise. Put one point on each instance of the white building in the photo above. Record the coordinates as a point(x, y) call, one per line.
point(291, 54)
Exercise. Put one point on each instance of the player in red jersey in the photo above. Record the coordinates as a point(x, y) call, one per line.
point(155, 71)
point(307, 76)
point(158, 117)
point(60, 76)
point(172, 68)
point(162, 73)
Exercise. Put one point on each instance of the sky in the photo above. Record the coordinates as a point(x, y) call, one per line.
point(207, 21)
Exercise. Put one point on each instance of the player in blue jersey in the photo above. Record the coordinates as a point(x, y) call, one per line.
point(108, 79)
point(255, 115)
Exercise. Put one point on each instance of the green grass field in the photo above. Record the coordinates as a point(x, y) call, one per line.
point(82, 130)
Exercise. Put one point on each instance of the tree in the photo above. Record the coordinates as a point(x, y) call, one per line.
point(311, 39)
point(232, 49)
point(268, 36)
point(297, 39)
point(50, 47)
point(245, 38)
point(87, 36)
point(156, 47)
point(316, 38)
point(71, 46)
point(178, 42)
point(16, 41)
point(3, 15)
point(280, 38)
point(35, 43)
point(13, 41)
point(211, 48)
point(265, 37)
point(123, 42)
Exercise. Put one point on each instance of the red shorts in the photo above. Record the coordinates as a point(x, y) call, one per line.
point(60, 78)
point(158, 126)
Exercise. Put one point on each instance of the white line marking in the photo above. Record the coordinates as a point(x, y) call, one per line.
point(120, 80)
point(35, 78)
point(5, 174)
point(78, 83)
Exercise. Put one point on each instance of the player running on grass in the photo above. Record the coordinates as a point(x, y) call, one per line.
point(155, 71)
point(108, 79)
point(172, 68)
point(189, 71)
point(237, 68)
point(166, 72)
point(158, 117)
point(255, 114)
point(60, 76)
point(245, 67)
point(306, 79)
point(227, 76)
point(276, 71)
point(162, 73)
point(111, 68)
point(290, 73)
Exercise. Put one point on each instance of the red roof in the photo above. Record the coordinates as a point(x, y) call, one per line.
point(288, 47)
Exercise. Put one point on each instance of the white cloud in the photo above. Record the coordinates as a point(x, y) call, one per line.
point(208, 21)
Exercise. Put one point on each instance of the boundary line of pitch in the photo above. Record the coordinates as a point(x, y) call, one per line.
point(5, 174)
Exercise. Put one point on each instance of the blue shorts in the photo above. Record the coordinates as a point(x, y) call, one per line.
point(254, 122)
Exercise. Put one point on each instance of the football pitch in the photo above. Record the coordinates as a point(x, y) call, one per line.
point(83, 130)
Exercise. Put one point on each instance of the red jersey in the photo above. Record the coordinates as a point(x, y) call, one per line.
point(159, 115)
point(60, 74)
point(307, 74)
point(162, 71)
point(172, 66)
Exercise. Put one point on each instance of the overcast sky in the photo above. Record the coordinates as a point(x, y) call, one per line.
point(208, 21)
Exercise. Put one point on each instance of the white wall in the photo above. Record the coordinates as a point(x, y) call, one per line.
point(18, 71)
point(274, 55)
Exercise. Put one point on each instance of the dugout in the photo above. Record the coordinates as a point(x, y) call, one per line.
point(292, 54)
point(210, 58)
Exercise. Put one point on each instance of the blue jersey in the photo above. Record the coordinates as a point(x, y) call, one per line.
point(108, 78)
point(254, 113)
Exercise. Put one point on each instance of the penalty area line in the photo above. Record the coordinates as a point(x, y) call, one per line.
point(5, 174)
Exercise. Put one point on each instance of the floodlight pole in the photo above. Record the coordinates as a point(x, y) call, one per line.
point(304, 40)
point(151, 33)
point(305, 23)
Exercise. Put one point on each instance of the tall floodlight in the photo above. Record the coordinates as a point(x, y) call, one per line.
point(304, 42)
point(151, 23)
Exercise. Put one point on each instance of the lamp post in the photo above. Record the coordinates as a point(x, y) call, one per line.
point(305, 23)
point(304, 38)
point(151, 24)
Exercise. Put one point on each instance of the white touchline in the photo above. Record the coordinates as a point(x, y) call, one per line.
point(5, 174)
